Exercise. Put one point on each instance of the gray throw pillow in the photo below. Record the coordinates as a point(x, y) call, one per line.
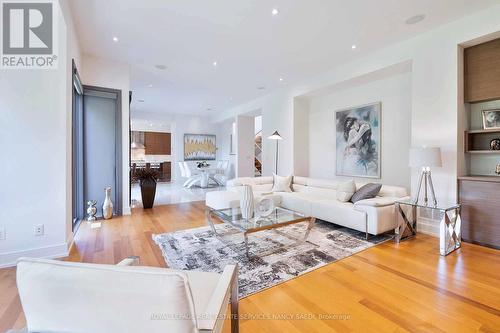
point(367, 191)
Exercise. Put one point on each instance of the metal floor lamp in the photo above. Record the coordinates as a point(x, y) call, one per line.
point(426, 157)
point(276, 136)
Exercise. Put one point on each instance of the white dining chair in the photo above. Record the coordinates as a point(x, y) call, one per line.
point(222, 171)
point(193, 177)
point(184, 174)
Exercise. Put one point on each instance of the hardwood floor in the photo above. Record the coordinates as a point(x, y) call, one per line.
point(387, 288)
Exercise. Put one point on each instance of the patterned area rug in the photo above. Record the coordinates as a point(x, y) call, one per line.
point(274, 258)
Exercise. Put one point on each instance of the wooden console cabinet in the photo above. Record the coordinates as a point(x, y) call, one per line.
point(480, 199)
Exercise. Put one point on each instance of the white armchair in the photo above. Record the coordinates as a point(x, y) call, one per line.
point(60, 296)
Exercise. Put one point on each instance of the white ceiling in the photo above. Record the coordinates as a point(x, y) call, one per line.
point(252, 47)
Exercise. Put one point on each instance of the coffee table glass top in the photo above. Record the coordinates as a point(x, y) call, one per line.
point(278, 217)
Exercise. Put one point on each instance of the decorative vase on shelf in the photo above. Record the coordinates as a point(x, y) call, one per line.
point(495, 144)
point(246, 202)
point(91, 210)
point(107, 207)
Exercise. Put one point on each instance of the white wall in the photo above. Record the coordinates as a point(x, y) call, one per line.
point(301, 137)
point(434, 101)
point(36, 155)
point(395, 95)
point(245, 143)
point(110, 74)
point(73, 53)
point(224, 132)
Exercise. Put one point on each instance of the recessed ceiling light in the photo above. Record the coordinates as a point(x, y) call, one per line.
point(161, 67)
point(150, 124)
point(353, 47)
point(281, 79)
point(150, 85)
point(275, 11)
point(115, 39)
point(415, 19)
point(214, 63)
point(261, 88)
point(141, 101)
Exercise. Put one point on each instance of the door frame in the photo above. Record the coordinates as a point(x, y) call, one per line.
point(118, 191)
point(76, 159)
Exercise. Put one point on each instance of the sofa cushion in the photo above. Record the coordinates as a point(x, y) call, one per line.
point(300, 180)
point(322, 183)
point(393, 191)
point(367, 191)
point(282, 184)
point(345, 191)
point(298, 202)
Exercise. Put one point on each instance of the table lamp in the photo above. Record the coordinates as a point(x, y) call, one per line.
point(425, 158)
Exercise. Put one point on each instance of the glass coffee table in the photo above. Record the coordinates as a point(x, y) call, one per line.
point(280, 217)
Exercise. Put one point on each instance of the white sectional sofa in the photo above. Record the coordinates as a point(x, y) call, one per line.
point(318, 198)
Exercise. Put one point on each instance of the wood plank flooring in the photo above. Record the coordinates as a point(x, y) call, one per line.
point(388, 288)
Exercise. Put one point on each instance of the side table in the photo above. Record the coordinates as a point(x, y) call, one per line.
point(450, 236)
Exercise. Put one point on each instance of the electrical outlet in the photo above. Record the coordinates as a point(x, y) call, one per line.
point(39, 230)
point(3, 233)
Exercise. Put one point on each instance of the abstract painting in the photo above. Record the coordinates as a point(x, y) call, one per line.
point(358, 141)
point(199, 147)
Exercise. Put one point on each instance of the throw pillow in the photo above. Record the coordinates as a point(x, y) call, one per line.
point(367, 191)
point(345, 191)
point(282, 184)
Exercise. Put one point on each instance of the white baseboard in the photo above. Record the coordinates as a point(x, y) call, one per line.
point(9, 259)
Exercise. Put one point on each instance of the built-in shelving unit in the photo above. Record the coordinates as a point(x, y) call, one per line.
point(478, 141)
point(483, 151)
point(478, 184)
point(483, 131)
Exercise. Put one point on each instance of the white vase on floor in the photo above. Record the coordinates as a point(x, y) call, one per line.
point(246, 202)
point(107, 207)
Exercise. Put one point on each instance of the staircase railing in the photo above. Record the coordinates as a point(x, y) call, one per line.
point(258, 154)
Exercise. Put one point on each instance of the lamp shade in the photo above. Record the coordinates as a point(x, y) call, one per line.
point(275, 136)
point(425, 157)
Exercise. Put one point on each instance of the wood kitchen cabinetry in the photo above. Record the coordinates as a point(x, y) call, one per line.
point(152, 150)
point(157, 143)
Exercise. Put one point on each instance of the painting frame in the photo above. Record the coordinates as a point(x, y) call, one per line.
point(487, 126)
point(200, 155)
point(373, 165)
